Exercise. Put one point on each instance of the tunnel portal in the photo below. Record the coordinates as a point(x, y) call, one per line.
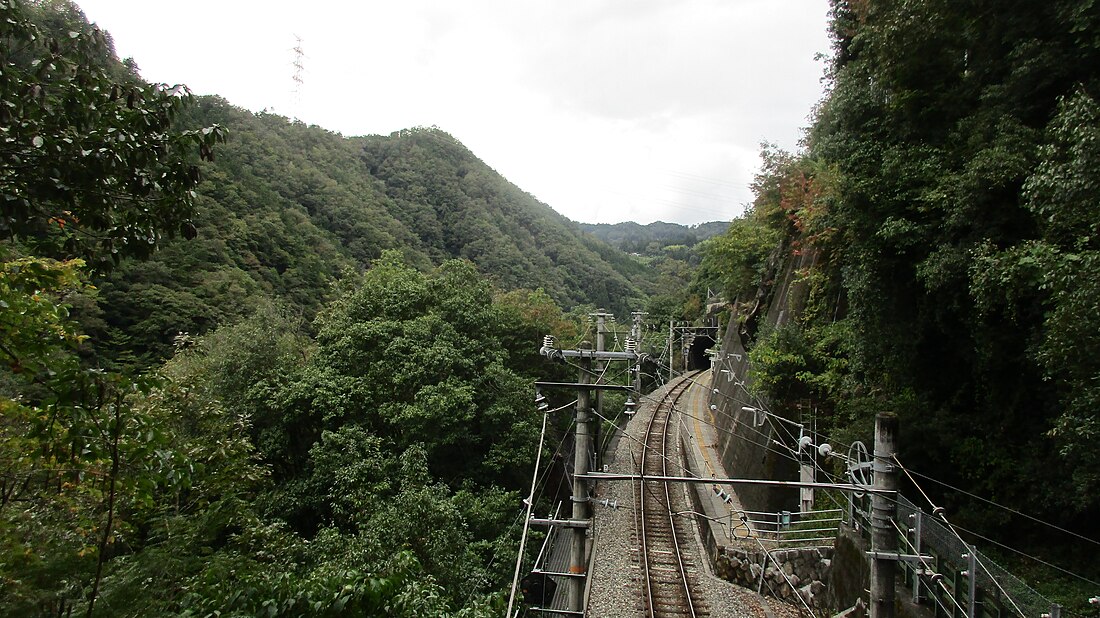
point(697, 357)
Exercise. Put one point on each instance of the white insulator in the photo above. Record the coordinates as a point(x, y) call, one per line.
point(631, 345)
point(548, 341)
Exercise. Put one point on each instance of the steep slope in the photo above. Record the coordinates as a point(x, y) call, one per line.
point(286, 208)
point(459, 207)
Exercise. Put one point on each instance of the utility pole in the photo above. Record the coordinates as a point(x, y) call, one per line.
point(807, 466)
point(670, 331)
point(884, 540)
point(580, 522)
point(601, 370)
point(636, 334)
point(581, 449)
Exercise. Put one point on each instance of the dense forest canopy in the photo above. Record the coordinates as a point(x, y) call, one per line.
point(948, 195)
point(285, 209)
point(651, 238)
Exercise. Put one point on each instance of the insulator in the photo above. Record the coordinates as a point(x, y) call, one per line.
point(631, 346)
point(548, 341)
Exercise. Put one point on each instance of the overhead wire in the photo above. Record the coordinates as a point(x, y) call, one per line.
point(927, 566)
point(954, 529)
point(533, 498)
point(759, 405)
point(748, 427)
point(809, 612)
point(527, 522)
point(1028, 556)
point(938, 512)
point(642, 396)
point(1006, 508)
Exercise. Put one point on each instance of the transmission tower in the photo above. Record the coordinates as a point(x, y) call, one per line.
point(299, 55)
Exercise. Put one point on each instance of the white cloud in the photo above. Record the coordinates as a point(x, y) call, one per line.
point(607, 110)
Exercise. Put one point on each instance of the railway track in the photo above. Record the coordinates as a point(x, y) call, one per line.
point(669, 578)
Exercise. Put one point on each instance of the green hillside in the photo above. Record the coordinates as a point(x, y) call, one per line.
point(650, 238)
point(285, 208)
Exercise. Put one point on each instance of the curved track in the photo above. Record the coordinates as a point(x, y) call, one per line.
point(669, 578)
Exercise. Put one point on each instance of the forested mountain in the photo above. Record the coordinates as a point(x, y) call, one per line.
point(285, 208)
point(650, 238)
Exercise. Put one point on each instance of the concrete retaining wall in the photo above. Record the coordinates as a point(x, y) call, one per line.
point(747, 449)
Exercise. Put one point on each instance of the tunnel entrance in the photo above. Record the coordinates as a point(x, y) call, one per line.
point(697, 357)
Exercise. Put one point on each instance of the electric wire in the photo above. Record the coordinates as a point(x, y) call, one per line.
point(768, 438)
point(770, 415)
point(1026, 555)
point(1006, 508)
point(926, 497)
point(680, 410)
point(954, 531)
point(998, 543)
point(557, 451)
point(533, 499)
point(527, 523)
point(927, 566)
point(642, 396)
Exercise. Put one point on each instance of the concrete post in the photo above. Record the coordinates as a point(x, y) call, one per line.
point(582, 448)
point(601, 366)
point(670, 357)
point(972, 581)
point(806, 475)
point(917, 523)
point(884, 537)
point(636, 332)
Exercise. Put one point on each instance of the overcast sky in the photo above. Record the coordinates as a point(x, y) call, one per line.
point(607, 110)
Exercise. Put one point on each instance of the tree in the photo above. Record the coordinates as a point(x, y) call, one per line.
point(91, 164)
point(91, 168)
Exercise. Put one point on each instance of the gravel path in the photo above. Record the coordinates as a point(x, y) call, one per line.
point(616, 576)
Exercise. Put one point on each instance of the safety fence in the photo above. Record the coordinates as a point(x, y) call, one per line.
point(794, 529)
point(952, 576)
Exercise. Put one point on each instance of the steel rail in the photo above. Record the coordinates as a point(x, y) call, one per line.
point(665, 408)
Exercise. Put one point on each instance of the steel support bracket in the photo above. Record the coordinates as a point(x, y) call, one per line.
point(566, 523)
point(885, 555)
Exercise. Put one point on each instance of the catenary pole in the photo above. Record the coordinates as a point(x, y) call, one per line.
point(581, 449)
point(601, 371)
point(636, 332)
point(884, 540)
point(670, 363)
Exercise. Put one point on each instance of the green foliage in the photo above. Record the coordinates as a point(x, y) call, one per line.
point(946, 204)
point(652, 239)
point(287, 210)
point(738, 259)
point(93, 165)
point(1058, 269)
point(420, 361)
point(459, 208)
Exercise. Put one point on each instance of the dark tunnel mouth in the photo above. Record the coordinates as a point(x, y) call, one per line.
point(697, 357)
